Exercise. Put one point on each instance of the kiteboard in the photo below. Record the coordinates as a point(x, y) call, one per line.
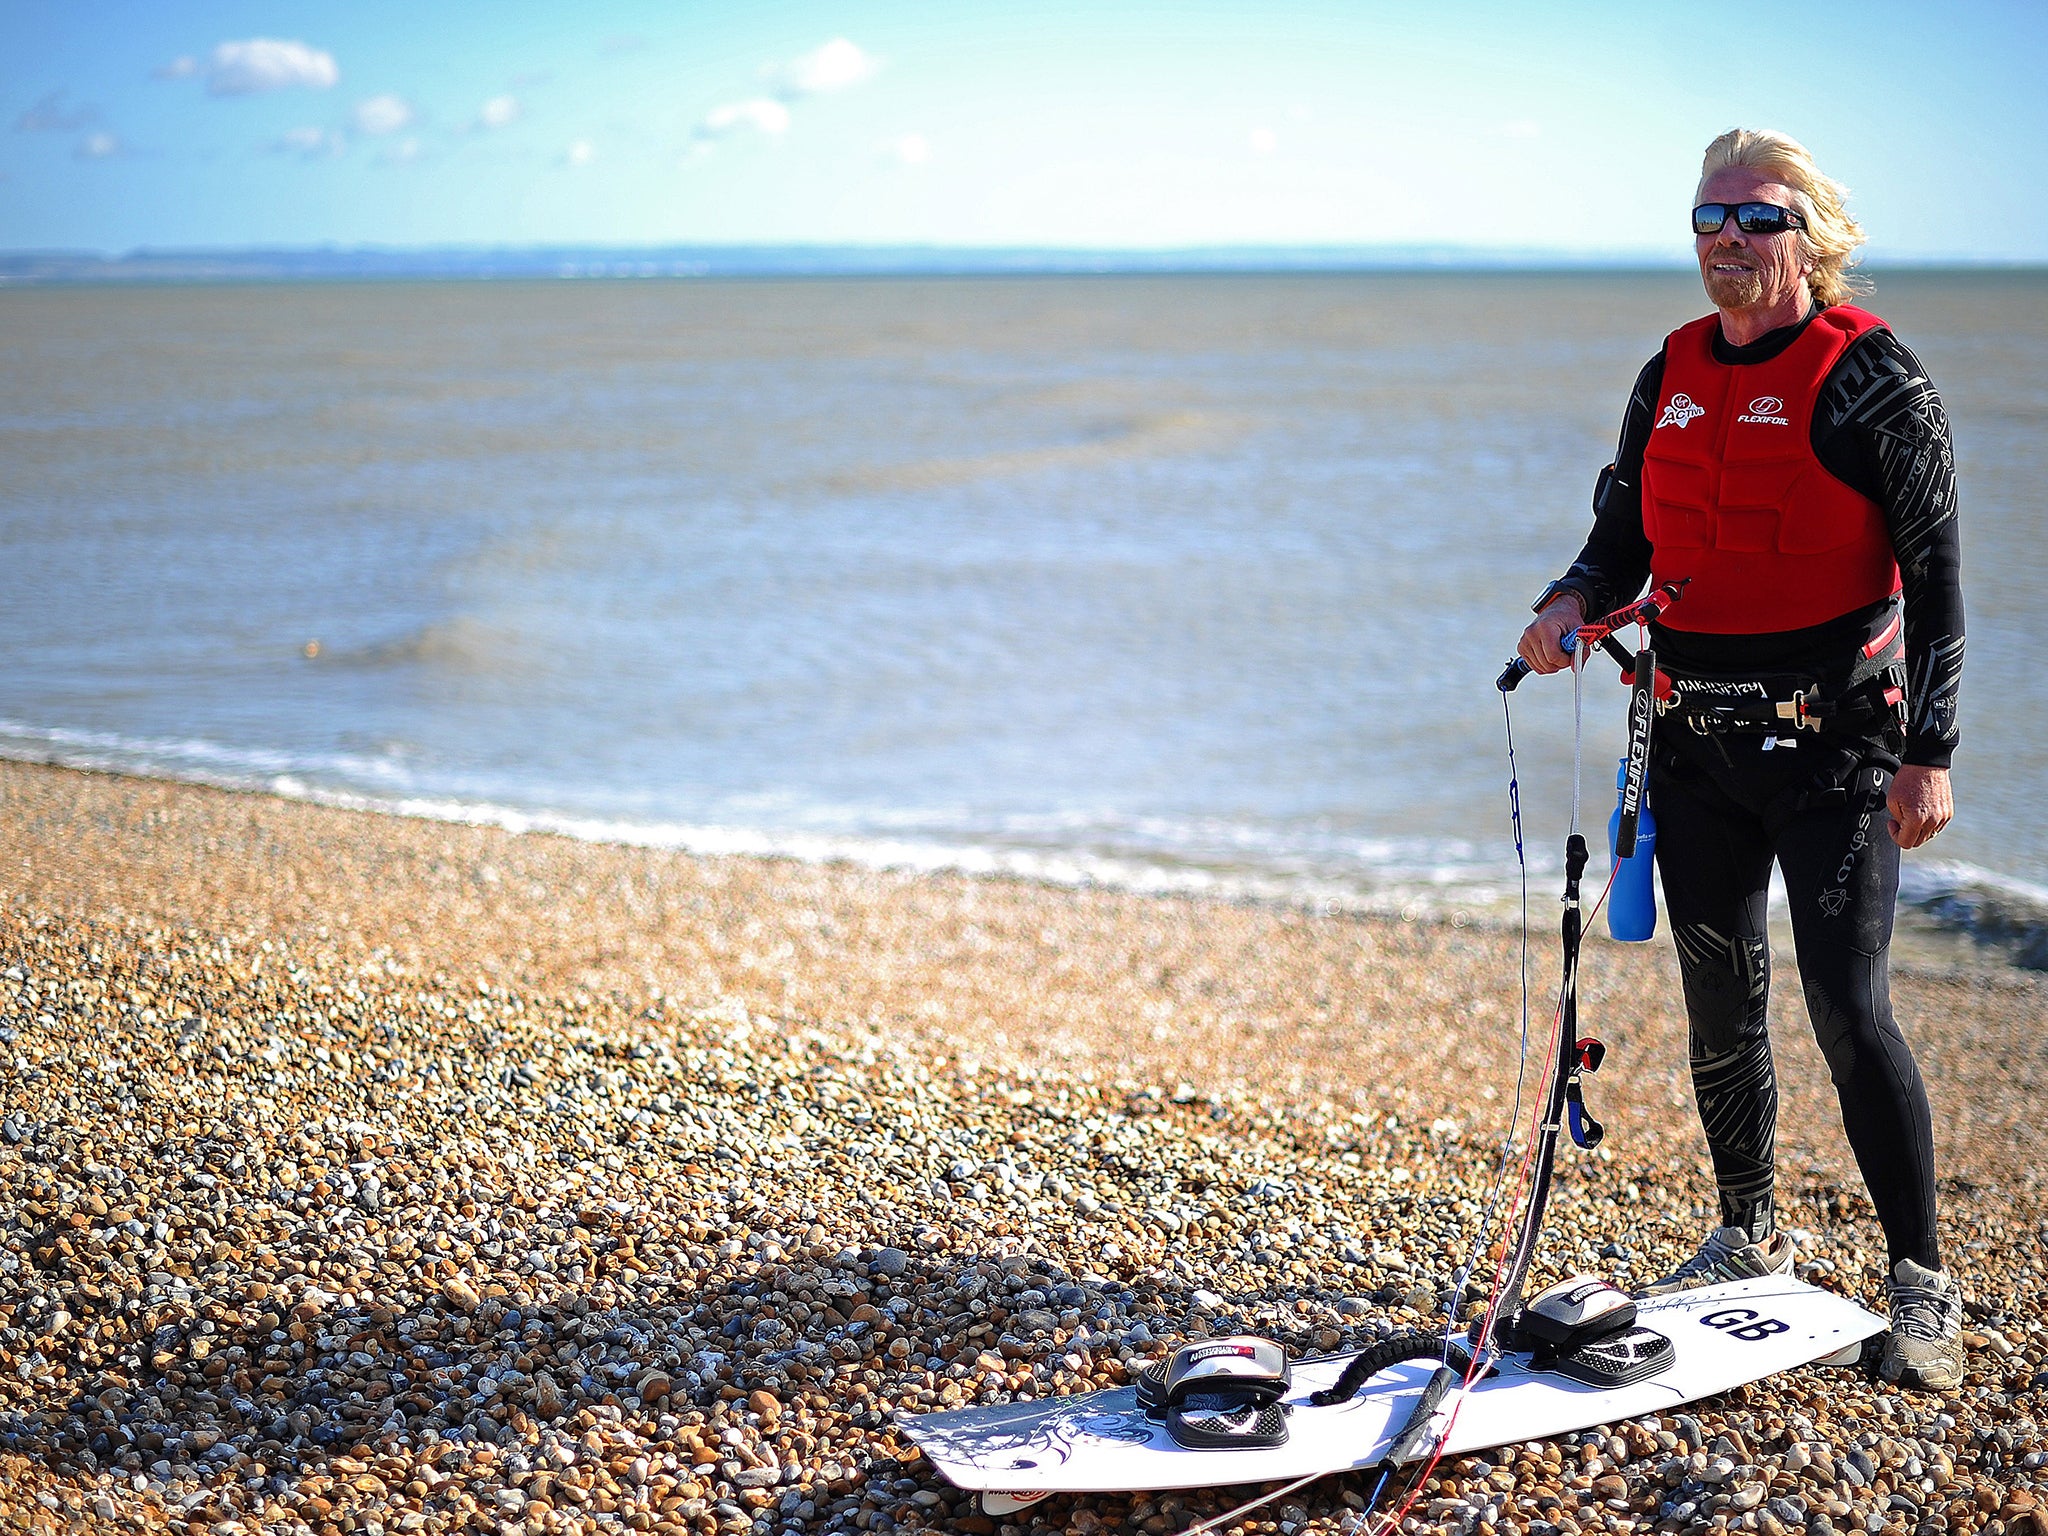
point(1579, 1354)
point(1722, 1336)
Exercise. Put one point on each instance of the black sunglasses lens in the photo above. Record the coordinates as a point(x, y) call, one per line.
point(1761, 219)
point(1708, 218)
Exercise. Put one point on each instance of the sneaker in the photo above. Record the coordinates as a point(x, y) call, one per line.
point(1925, 1347)
point(1727, 1254)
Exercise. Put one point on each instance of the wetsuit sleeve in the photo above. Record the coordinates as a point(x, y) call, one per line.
point(1614, 565)
point(1880, 428)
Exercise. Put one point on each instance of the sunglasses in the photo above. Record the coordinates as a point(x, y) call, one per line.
point(1750, 218)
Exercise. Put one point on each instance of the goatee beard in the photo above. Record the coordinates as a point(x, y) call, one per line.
point(1734, 290)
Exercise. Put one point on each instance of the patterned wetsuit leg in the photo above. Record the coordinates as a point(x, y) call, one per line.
point(1842, 879)
point(1715, 858)
point(1720, 821)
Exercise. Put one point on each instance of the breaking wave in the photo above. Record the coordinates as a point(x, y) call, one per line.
point(1296, 866)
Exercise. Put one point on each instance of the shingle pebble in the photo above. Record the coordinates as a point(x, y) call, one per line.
point(299, 1234)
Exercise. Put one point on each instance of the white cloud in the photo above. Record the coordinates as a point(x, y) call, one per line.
point(183, 67)
point(309, 143)
point(381, 115)
point(911, 149)
point(98, 146)
point(581, 152)
point(829, 67)
point(404, 152)
point(1264, 141)
point(50, 115)
point(259, 64)
point(499, 112)
point(762, 113)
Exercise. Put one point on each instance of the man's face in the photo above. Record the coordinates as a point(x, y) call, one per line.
point(1746, 271)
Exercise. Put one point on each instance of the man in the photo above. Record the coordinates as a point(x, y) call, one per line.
point(1788, 455)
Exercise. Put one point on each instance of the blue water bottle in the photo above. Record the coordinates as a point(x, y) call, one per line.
point(1632, 904)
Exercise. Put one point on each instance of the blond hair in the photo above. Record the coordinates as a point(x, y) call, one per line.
point(1831, 237)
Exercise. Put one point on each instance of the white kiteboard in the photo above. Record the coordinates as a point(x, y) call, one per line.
point(1722, 1336)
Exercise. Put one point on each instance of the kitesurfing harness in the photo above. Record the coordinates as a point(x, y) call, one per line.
point(1779, 703)
point(1872, 690)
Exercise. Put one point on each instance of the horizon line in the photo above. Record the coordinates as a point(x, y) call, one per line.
point(1653, 254)
point(336, 261)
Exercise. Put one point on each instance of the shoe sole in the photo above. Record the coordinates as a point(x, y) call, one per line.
point(1936, 1376)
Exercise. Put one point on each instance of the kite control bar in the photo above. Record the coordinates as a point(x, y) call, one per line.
point(1644, 609)
point(1600, 632)
point(1564, 1106)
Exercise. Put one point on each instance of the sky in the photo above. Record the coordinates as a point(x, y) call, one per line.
point(1538, 127)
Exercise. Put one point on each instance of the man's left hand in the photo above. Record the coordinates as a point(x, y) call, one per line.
point(1921, 804)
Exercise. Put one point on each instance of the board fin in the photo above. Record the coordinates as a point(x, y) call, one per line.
point(997, 1503)
point(1857, 1357)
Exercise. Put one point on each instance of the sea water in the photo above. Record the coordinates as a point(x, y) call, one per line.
point(1177, 583)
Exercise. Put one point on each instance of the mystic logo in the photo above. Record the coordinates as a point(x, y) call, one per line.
point(1680, 411)
point(1834, 900)
point(1742, 1323)
point(1764, 412)
point(1743, 688)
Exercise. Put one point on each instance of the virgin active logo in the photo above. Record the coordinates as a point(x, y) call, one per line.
point(1680, 411)
point(1766, 411)
point(1743, 1323)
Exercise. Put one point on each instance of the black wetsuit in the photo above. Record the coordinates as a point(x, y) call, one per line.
point(1727, 804)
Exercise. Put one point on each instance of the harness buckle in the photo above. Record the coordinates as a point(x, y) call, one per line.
point(1800, 710)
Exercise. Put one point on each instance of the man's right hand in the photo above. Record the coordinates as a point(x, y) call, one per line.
point(1543, 641)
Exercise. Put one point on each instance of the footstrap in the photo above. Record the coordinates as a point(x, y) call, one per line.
point(1569, 1316)
point(1221, 1394)
point(1226, 1420)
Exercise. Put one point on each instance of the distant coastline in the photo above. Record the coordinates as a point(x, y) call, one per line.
point(457, 263)
point(568, 262)
point(529, 263)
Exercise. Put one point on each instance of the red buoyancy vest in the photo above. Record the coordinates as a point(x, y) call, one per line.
point(1735, 498)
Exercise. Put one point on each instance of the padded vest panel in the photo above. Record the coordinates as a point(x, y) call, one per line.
point(1735, 498)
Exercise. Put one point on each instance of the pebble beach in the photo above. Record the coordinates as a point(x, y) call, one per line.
point(370, 1175)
